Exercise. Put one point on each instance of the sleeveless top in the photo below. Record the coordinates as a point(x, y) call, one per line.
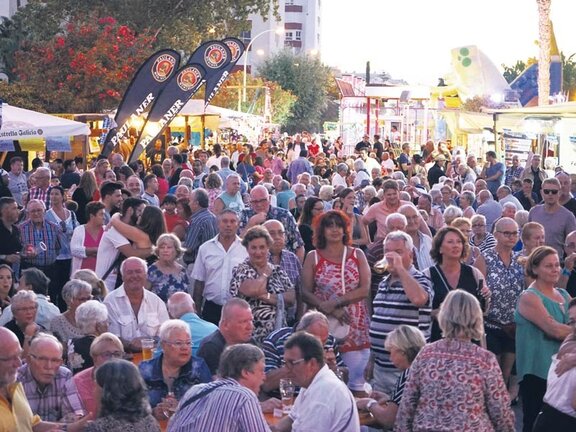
point(232, 202)
point(328, 284)
point(534, 349)
point(466, 282)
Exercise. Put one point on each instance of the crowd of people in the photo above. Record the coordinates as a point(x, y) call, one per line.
point(428, 290)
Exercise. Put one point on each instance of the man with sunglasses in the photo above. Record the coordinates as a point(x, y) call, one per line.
point(559, 221)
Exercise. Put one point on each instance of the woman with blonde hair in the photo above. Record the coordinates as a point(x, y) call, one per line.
point(404, 343)
point(167, 276)
point(454, 384)
point(99, 290)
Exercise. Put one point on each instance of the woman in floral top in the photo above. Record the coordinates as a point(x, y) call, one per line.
point(167, 276)
point(455, 385)
point(265, 286)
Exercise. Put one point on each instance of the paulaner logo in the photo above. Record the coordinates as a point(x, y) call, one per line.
point(188, 78)
point(234, 49)
point(162, 67)
point(215, 56)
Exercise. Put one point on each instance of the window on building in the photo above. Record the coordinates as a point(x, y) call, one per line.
point(298, 36)
point(289, 2)
point(246, 37)
point(289, 35)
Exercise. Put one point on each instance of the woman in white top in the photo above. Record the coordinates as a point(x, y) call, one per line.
point(86, 238)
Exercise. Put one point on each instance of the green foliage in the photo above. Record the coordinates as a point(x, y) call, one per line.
point(512, 72)
point(21, 95)
point(282, 100)
point(178, 24)
point(568, 73)
point(84, 69)
point(308, 79)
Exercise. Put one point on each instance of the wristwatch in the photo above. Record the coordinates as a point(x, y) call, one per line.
point(371, 404)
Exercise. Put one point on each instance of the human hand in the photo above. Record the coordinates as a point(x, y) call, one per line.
point(269, 405)
point(13, 258)
point(31, 329)
point(342, 315)
point(257, 219)
point(79, 425)
point(569, 262)
point(395, 263)
point(567, 362)
point(379, 396)
point(330, 358)
point(328, 306)
point(362, 403)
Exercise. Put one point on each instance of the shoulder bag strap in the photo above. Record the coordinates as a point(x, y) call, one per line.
point(201, 395)
point(345, 427)
point(444, 281)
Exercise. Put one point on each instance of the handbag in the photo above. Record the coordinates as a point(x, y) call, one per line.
point(337, 328)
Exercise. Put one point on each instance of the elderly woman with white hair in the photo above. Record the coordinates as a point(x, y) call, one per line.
point(361, 174)
point(167, 276)
point(75, 292)
point(92, 319)
point(452, 212)
point(105, 347)
point(326, 194)
point(480, 237)
point(170, 375)
point(454, 384)
point(99, 290)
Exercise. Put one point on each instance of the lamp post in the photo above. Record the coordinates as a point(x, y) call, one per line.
point(278, 31)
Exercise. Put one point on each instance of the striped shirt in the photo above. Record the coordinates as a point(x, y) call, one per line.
point(56, 400)
point(49, 234)
point(230, 407)
point(40, 194)
point(391, 308)
point(273, 347)
point(203, 227)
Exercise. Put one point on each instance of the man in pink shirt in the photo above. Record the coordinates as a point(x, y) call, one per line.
point(390, 204)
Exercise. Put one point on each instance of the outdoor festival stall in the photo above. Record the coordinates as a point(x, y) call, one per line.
point(27, 130)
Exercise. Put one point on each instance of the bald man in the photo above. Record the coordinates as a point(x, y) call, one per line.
point(181, 306)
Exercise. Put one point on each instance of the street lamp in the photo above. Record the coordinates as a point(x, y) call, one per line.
point(278, 31)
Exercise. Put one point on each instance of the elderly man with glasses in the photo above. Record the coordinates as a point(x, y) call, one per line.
point(558, 220)
point(48, 385)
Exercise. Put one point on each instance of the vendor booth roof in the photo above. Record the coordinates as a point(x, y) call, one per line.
point(562, 110)
point(19, 123)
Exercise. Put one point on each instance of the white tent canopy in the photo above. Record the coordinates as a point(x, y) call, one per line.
point(19, 123)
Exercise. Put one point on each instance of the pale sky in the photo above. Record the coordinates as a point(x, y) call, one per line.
point(412, 39)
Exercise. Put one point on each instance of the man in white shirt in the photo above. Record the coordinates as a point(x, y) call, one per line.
point(339, 177)
point(17, 180)
point(324, 403)
point(113, 243)
point(213, 266)
point(134, 313)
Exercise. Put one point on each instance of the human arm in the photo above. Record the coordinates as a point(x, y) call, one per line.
point(130, 232)
point(383, 411)
point(77, 426)
point(531, 308)
point(496, 398)
point(364, 238)
point(480, 264)
point(415, 292)
point(198, 291)
point(77, 243)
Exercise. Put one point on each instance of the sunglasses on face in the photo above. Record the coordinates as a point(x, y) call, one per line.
point(550, 191)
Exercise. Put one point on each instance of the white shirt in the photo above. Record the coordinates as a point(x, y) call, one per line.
point(214, 266)
point(360, 177)
point(388, 164)
point(326, 405)
point(338, 180)
point(423, 252)
point(126, 325)
point(107, 254)
point(370, 164)
point(560, 389)
point(513, 200)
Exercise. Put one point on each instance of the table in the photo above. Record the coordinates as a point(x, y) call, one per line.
point(366, 418)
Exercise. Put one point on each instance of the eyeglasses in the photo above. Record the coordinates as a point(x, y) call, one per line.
point(260, 201)
point(46, 360)
point(180, 344)
point(478, 225)
point(508, 233)
point(276, 233)
point(83, 299)
point(110, 354)
point(292, 363)
point(25, 309)
point(550, 191)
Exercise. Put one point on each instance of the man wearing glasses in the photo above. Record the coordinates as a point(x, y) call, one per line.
point(42, 189)
point(558, 220)
point(324, 403)
point(48, 385)
point(261, 210)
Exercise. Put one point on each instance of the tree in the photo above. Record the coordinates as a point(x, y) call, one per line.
point(178, 24)
point(282, 100)
point(568, 73)
point(512, 72)
point(305, 77)
point(85, 68)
